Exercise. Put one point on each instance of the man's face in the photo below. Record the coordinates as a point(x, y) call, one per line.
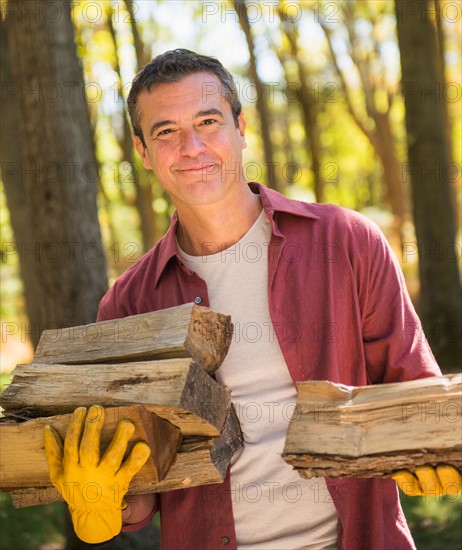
point(192, 144)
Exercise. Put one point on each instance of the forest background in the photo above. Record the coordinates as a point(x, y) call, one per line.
point(351, 102)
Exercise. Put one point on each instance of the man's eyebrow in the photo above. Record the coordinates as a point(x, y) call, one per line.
point(208, 112)
point(159, 124)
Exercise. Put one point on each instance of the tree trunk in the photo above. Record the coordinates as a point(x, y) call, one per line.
point(141, 57)
point(428, 165)
point(441, 39)
point(309, 111)
point(59, 167)
point(261, 99)
point(143, 188)
point(384, 145)
point(62, 243)
point(12, 174)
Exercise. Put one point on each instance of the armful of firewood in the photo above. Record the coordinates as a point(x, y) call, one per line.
point(409, 430)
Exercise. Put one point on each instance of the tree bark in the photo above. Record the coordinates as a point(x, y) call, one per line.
point(428, 165)
point(59, 167)
point(261, 99)
point(441, 40)
point(65, 256)
point(12, 174)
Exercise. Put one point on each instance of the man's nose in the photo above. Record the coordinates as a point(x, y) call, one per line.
point(192, 143)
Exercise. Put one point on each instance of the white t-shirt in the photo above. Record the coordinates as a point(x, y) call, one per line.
point(273, 507)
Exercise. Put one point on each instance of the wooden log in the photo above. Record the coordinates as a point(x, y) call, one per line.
point(183, 331)
point(198, 462)
point(178, 390)
point(22, 451)
point(369, 431)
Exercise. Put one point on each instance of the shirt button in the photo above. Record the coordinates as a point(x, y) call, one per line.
point(224, 540)
point(197, 300)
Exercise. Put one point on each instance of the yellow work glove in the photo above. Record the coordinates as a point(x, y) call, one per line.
point(429, 481)
point(93, 488)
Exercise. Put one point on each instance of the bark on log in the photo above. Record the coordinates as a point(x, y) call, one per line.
point(370, 431)
point(198, 462)
point(309, 466)
point(178, 390)
point(22, 451)
point(183, 331)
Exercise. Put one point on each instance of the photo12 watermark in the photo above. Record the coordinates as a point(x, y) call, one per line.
point(55, 11)
point(290, 11)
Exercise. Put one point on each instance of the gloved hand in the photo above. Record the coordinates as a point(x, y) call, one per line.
point(429, 481)
point(93, 488)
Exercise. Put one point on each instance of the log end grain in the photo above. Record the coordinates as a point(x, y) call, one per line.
point(209, 337)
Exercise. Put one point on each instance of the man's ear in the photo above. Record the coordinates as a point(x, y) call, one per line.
point(142, 151)
point(241, 125)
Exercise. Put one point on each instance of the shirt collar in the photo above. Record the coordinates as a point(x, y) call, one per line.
point(272, 202)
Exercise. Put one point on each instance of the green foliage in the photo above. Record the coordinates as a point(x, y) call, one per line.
point(435, 522)
point(5, 379)
point(30, 528)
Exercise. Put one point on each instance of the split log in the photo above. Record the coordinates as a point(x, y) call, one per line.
point(198, 462)
point(22, 451)
point(183, 331)
point(178, 390)
point(370, 431)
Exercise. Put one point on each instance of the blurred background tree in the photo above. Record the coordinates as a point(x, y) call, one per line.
point(431, 170)
point(330, 119)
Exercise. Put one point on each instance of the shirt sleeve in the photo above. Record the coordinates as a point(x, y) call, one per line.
point(395, 346)
point(107, 309)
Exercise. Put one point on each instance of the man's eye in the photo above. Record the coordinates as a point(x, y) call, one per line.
point(164, 133)
point(209, 121)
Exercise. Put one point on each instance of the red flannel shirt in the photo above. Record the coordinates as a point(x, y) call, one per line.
point(341, 312)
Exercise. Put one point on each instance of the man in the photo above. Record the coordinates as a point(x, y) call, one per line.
point(314, 292)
